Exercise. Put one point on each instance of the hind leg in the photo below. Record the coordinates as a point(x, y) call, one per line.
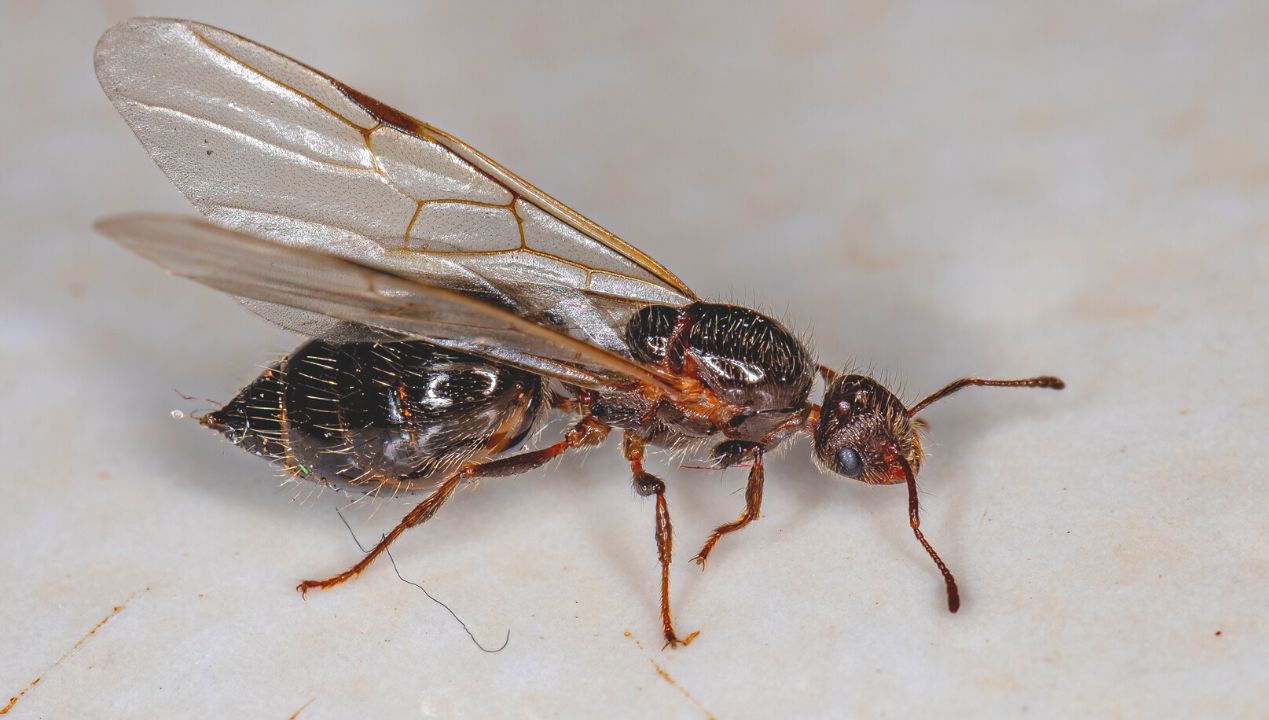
point(586, 433)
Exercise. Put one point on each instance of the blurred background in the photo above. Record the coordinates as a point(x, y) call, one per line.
point(924, 190)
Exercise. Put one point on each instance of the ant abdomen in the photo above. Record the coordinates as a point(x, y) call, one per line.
point(366, 415)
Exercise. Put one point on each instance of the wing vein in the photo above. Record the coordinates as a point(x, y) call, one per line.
point(252, 139)
point(216, 48)
point(293, 218)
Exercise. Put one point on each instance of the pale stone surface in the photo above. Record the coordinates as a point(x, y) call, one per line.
point(928, 190)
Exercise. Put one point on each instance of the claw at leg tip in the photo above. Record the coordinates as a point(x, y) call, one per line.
point(674, 642)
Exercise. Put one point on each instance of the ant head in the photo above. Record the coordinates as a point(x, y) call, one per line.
point(864, 430)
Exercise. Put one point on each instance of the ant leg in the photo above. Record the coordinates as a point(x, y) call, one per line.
point(647, 484)
point(586, 433)
point(753, 504)
point(565, 403)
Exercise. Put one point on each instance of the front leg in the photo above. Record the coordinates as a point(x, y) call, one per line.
point(647, 484)
point(753, 495)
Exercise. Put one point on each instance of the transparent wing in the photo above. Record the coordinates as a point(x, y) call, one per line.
point(264, 144)
point(327, 285)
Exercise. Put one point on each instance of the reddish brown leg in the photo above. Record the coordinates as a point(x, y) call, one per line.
point(647, 484)
point(753, 504)
point(585, 433)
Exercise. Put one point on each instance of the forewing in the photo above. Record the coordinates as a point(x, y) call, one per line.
point(269, 146)
point(339, 288)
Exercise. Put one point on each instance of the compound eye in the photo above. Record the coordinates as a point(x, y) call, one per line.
point(849, 463)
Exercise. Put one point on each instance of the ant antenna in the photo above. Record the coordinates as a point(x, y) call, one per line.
point(1044, 381)
point(914, 519)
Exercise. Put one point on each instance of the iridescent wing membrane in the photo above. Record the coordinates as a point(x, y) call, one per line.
point(335, 287)
point(266, 145)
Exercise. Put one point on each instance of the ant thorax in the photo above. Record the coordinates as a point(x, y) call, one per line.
point(754, 374)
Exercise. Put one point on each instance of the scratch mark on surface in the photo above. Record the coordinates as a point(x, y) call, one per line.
point(670, 679)
point(115, 611)
point(302, 707)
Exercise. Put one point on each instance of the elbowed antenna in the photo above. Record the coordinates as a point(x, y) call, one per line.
point(1044, 381)
point(914, 520)
point(896, 460)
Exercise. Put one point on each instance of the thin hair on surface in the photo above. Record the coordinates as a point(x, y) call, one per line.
point(506, 641)
point(186, 396)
